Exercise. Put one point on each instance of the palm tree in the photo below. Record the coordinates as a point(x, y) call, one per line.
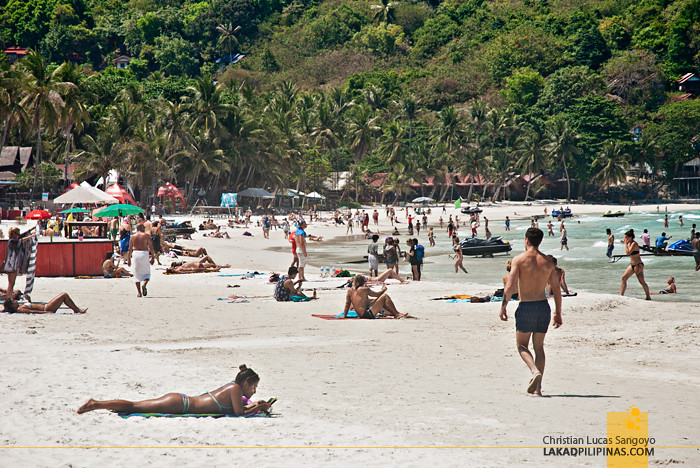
point(564, 146)
point(102, 152)
point(647, 151)
point(12, 113)
point(362, 129)
point(43, 99)
point(612, 160)
point(227, 36)
point(409, 108)
point(533, 149)
point(384, 12)
point(206, 105)
point(451, 134)
point(75, 115)
point(392, 145)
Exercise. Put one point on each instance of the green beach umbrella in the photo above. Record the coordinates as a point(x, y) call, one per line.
point(120, 209)
point(76, 210)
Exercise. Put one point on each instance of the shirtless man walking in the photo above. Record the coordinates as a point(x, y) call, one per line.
point(142, 255)
point(358, 298)
point(531, 271)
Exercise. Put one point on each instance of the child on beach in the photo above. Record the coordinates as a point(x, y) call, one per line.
point(235, 397)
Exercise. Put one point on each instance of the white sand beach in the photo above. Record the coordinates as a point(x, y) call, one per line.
point(445, 388)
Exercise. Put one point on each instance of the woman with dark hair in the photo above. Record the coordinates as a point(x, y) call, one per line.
point(232, 398)
point(13, 306)
point(636, 266)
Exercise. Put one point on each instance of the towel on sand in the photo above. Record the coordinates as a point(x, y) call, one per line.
point(141, 265)
point(352, 315)
point(164, 415)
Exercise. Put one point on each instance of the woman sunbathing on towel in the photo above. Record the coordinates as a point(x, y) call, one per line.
point(13, 306)
point(180, 250)
point(232, 398)
point(205, 265)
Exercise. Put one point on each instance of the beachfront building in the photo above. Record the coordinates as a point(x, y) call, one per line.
point(14, 160)
point(687, 180)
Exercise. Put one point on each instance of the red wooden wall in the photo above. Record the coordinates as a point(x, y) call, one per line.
point(68, 258)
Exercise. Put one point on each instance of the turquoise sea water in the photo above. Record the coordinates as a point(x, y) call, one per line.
point(586, 266)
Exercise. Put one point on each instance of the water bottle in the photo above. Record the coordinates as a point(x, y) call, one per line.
point(332, 272)
point(324, 271)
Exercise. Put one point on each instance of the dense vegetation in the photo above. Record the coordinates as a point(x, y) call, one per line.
point(412, 88)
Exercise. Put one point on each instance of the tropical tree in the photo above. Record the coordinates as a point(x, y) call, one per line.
point(612, 161)
point(42, 100)
point(75, 114)
point(647, 153)
point(227, 37)
point(534, 151)
point(12, 113)
point(384, 12)
point(362, 129)
point(451, 134)
point(564, 146)
point(102, 152)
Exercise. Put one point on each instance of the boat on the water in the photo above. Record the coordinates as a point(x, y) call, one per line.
point(610, 214)
point(682, 248)
point(468, 210)
point(563, 213)
point(485, 247)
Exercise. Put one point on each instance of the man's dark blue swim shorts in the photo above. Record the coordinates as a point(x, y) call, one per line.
point(533, 317)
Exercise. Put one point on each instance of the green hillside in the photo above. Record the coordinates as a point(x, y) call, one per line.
point(415, 89)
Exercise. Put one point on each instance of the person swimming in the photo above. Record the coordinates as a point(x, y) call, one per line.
point(232, 398)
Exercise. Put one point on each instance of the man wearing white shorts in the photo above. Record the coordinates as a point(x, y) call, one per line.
point(300, 239)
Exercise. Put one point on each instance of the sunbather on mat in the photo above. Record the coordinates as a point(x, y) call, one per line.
point(205, 265)
point(286, 289)
point(388, 274)
point(232, 398)
point(358, 299)
point(13, 306)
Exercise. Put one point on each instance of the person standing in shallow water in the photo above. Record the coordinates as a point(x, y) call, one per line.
point(636, 266)
point(531, 271)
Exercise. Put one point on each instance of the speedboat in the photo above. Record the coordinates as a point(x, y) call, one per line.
point(610, 214)
point(485, 247)
point(468, 210)
point(564, 213)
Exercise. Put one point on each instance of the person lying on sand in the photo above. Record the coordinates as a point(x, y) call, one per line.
point(232, 398)
point(286, 288)
point(180, 250)
point(14, 306)
point(218, 234)
point(205, 265)
point(112, 270)
point(357, 297)
point(388, 274)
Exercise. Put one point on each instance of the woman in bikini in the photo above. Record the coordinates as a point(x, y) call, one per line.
point(636, 266)
point(14, 306)
point(458, 256)
point(232, 398)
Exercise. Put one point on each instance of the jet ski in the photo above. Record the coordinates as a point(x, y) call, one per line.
point(682, 247)
point(468, 210)
point(485, 247)
point(610, 214)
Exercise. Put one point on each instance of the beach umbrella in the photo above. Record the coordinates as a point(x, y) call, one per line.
point(83, 194)
point(120, 193)
point(38, 214)
point(75, 210)
point(120, 209)
point(255, 193)
point(315, 196)
point(422, 200)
